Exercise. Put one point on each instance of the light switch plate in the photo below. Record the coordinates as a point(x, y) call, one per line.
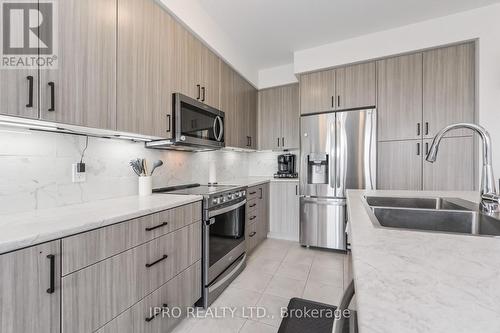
point(78, 177)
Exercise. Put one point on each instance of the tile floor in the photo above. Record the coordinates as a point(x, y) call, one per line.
point(276, 271)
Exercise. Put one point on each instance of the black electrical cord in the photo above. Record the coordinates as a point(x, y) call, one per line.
point(84, 149)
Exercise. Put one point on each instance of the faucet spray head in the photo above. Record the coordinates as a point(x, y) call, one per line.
point(432, 155)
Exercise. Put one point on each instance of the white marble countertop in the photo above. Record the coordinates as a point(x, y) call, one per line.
point(410, 281)
point(29, 228)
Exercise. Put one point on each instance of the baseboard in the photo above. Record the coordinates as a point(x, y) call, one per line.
point(275, 235)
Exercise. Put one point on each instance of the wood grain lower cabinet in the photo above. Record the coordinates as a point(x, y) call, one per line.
point(454, 169)
point(399, 165)
point(30, 289)
point(284, 210)
point(93, 296)
point(176, 295)
point(257, 222)
point(90, 247)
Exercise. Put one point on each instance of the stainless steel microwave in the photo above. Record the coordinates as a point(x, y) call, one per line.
point(195, 126)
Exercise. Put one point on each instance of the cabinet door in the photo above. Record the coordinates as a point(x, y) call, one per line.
point(317, 92)
point(356, 86)
point(26, 302)
point(399, 97)
point(454, 169)
point(84, 83)
point(16, 87)
point(251, 107)
point(449, 88)
point(185, 69)
point(241, 112)
point(138, 65)
point(284, 210)
point(228, 104)
point(263, 212)
point(400, 165)
point(290, 117)
point(270, 101)
point(209, 77)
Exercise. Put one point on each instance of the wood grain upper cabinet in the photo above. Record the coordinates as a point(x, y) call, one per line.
point(317, 92)
point(456, 152)
point(449, 88)
point(138, 66)
point(18, 92)
point(30, 290)
point(251, 118)
point(399, 165)
point(279, 117)
point(355, 86)
point(228, 104)
point(82, 90)
point(399, 92)
point(209, 77)
point(270, 118)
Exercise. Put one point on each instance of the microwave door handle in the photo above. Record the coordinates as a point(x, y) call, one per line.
point(218, 137)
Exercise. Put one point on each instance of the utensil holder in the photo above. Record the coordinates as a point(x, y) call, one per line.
point(145, 186)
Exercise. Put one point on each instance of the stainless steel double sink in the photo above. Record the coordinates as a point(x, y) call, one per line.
point(450, 215)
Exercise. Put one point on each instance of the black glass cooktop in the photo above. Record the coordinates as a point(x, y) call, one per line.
point(194, 189)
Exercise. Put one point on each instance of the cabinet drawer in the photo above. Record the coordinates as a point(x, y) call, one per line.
point(253, 193)
point(85, 249)
point(97, 294)
point(180, 292)
point(252, 217)
point(251, 237)
point(252, 205)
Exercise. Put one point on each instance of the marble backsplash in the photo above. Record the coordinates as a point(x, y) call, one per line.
point(35, 168)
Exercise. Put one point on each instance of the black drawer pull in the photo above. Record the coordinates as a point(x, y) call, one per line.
point(252, 205)
point(52, 287)
point(153, 316)
point(157, 261)
point(199, 91)
point(252, 234)
point(157, 226)
point(252, 193)
point(203, 94)
point(52, 86)
point(30, 91)
point(253, 218)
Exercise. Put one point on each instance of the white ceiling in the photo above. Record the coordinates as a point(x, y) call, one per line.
point(267, 32)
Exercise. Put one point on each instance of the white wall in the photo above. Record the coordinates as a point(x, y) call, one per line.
point(482, 24)
point(277, 76)
point(195, 19)
point(35, 169)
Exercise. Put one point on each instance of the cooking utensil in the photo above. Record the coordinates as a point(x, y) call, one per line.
point(156, 164)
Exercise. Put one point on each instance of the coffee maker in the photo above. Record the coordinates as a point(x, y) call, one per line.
point(286, 166)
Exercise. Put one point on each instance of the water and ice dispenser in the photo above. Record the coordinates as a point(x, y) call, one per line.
point(317, 168)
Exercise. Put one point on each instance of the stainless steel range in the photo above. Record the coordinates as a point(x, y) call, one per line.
point(223, 234)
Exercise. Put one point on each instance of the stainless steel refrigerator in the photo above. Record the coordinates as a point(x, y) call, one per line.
point(338, 152)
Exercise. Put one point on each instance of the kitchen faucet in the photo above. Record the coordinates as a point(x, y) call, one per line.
point(490, 200)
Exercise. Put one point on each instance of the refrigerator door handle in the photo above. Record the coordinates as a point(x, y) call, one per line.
point(341, 148)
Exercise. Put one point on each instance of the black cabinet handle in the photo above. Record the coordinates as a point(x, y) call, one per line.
point(418, 129)
point(296, 189)
point(426, 128)
point(252, 234)
point(253, 218)
point(283, 142)
point(252, 205)
point(157, 226)
point(261, 193)
point(333, 102)
point(52, 86)
point(338, 100)
point(278, 142)
point(203, 94)
point(418, 148)
point(30, 91)
point(427, 148)
point(153, 316)
point(252, 193)
point(52, 287)
point(250, 138)
point(199, 91)
point(157, 261)
point(169, 123)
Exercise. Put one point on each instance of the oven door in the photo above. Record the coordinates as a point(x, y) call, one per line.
point(197, 123)
point(224, 238)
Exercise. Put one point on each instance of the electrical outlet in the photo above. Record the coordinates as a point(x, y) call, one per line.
point(78, 173)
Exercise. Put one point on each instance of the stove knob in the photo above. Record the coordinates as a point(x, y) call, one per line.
point(237, 194)
point(230, 196)
point(215, 201)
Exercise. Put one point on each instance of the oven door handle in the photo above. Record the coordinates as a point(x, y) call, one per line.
point(223, 280)
point(226, 209)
